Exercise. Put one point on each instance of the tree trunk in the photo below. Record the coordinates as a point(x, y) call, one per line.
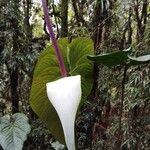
point(2, 40)
point(141, 19)
point(64, 18)
point(14, 92)
point(14, 71)
point(27, 26)
point(2, 30)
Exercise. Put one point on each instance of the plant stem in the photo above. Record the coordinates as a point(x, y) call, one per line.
point(54, 41)
point(122, 100)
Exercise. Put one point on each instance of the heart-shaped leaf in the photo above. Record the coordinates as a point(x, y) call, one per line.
point(47, 70)
point(13, 131)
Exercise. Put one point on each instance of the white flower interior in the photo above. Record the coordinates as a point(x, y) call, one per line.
point(65, 95)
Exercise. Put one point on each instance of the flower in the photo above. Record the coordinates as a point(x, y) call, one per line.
point(65, 95)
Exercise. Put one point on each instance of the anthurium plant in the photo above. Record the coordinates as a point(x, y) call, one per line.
point(61, 74)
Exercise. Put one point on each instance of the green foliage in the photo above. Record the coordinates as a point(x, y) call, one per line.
point(13, 131)
point(111, 59)
point(139, 60)
point(120, 58)
point(47, 70)
point(39, 137)
point(79, 64)
point(133, 101)
point(118, 30)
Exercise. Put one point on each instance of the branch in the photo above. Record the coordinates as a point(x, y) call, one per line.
point(122, 100)
point(144, 14)
point(78, 15)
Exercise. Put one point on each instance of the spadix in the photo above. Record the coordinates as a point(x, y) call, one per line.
point(65, 96)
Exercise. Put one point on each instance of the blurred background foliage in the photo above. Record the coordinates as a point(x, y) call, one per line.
point(113, 25)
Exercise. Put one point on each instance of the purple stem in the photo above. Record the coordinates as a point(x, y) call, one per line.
point(54, 41)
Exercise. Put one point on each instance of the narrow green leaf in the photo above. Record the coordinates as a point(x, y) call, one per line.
point(111, 59)
point(145, 59)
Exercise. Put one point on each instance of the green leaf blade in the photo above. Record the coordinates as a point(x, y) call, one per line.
point(47, 70)
point(13, 133)
point(145, 59)
point(79, 64)
point(111, 59)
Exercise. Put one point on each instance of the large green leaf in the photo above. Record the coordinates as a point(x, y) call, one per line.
point(139, 60)
point(79, 49)
point(112, 59)
point(13, 131)
point(47, 70)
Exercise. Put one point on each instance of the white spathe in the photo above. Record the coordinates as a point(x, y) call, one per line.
point(65, 95)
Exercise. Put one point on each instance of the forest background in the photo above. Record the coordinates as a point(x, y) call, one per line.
point(112, 25)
